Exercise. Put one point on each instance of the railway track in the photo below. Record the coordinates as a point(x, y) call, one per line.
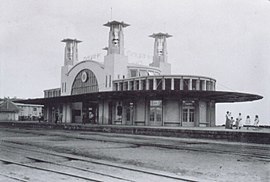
point(68, 169)
point(253, 152)
point(73, 165)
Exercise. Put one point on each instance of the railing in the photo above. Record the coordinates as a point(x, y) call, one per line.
point(165, 82)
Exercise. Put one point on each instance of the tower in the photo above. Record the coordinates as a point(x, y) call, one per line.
point(116, 37)
point(115, 61)
point(71, 51)
point(160, 53)
point(70, 59)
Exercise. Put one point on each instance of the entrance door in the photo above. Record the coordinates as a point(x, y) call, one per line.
point(90, 112)
point(188, 113)
point(129, 113)
point(155, 113)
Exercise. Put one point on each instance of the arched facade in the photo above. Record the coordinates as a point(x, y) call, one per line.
point(69, 75)
point(84, 82)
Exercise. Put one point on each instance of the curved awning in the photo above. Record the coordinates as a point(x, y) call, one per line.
point(215, 96)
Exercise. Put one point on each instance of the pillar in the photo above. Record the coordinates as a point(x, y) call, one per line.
point(182, 84)
point(163, 83)
point(154, 84)
point(147, 84)
point(140, 84)
point(198, 84)
point(68, 113)
point(190, 84)
point(128, 85)
point(118, 86)
point(134, 85)
point(204, 84)
point(172, 83)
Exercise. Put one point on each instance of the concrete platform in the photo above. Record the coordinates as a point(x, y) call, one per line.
point(259, 136)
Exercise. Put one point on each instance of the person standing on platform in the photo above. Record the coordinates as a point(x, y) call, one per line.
point(56, 118)
point(237, 124)
point(39, 117)
point(231, 123)
point(227, 123)
point(248, 122)
point(256, 121)
point(240, 121)
point(84, 118)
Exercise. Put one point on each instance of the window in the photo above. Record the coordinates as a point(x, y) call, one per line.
point(106, 80)
point(191, 115)
point(133, 73)
point(185, 115)
point(110, 81)
point(155, 110)
point(81, 86)
point(129, 111)
point(188, 111)
point(151, 73)
point(143, 73)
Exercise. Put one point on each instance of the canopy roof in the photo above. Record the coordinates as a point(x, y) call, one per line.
point(108, 24)
point(215, 96)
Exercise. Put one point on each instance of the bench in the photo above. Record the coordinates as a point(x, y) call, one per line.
point(139, 123)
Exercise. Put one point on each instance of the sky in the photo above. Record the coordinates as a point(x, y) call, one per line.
point(228, 40)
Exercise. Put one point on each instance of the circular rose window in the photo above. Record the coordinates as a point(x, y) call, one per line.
point(84, 76)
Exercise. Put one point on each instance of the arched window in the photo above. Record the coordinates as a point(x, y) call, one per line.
point(84, 82)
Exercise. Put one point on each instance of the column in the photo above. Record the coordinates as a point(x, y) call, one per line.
point(47, 113)
point(128, 86)
point(124, 86)
point(118, 86)
point(204, 84)
point(154, 84)
point(140, 84)
point(182, 84)
point(147, 84)
point(214, 85)
point(190, 84)
point(64, 113)
point(134, 85)
point(198, 84)
point(172, 83)
point(163, 83)
point(68, 114)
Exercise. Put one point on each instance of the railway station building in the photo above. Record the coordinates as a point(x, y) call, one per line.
point(117, 92)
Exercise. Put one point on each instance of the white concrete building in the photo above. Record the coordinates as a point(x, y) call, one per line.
point(118, 92)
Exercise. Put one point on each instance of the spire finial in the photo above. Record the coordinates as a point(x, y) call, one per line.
point(111, 13)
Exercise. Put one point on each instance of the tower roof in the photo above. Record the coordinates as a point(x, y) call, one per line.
point(109, 23)
point(154, 35)
point(71, 40)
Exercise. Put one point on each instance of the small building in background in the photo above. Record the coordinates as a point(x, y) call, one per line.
point(9, 111)
point(29, 112)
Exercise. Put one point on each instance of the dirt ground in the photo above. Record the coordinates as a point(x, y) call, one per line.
point(202, 160)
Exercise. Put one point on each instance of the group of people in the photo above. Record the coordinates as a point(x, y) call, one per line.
point(238, 122)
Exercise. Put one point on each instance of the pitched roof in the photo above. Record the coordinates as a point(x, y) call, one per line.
point(8, 106)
